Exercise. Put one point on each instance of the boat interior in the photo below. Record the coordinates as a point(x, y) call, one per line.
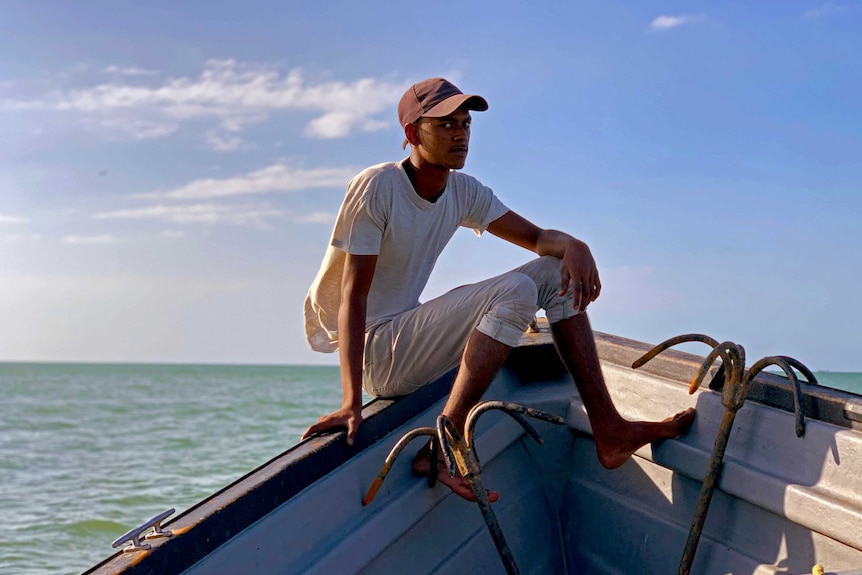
point(780, 503)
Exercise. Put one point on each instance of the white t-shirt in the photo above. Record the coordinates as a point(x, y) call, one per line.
point(383, 215)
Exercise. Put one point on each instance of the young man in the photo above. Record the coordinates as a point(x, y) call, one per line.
point(395, 220)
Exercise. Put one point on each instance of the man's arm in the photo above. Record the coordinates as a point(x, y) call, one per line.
point(579, 269)
point(355, 283)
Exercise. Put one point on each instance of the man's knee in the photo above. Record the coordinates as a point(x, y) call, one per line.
point(521, 295)
point(512, 309)
point(545, 272)
point(521, 290)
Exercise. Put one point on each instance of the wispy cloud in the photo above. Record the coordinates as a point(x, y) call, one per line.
point(276, 178)
point(99, 239)
point(221, 142)
point(13, 220)
point(317, 218)
point(827, 9)
point(197, 214)
point(233, 94)
point(664, 22)
point(138, 129)
point(130, 71)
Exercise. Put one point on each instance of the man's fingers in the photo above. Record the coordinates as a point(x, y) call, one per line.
point(586, 290)
point(352, 426)
point(310, 431)
point(332, 423)
point(327, 422)
point(316, 428)
point(565, 280)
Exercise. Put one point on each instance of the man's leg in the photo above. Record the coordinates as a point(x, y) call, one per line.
point(422, 344)
point(482, 358)
point(473, 326)
point(616, 438)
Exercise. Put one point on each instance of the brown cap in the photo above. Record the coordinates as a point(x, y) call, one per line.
point(435, 98)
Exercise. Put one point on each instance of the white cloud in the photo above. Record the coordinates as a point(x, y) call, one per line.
point(196, 214)
point(231, 93)
point(224, 142)
point(317, 218)
point(275, 178)
point(138, 129)
point(100, 239)
point(130, 71)
point(13, 220)
point(668, 22)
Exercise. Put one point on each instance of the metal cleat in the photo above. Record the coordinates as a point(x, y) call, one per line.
point(135, 535)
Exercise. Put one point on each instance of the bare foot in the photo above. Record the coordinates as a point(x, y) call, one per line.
point(458, 485)
point(616, 443)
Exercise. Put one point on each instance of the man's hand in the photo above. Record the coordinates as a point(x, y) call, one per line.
point(345, 417)
point(579, 273)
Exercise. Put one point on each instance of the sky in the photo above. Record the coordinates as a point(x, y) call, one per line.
point(170, 171)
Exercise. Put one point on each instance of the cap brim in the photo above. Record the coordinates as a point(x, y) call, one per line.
point(449, 105)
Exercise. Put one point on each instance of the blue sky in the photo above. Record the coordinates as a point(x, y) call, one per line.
point(169, 171)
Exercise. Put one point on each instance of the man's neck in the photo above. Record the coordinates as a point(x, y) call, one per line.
point(428, 181)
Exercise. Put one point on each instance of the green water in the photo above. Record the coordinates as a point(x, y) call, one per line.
point(848, 381)
point(88, 451)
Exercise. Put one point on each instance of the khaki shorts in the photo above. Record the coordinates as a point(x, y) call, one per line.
point(423, 343)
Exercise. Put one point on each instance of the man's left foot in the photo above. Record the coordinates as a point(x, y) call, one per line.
point(422, 467)
point(616, 444)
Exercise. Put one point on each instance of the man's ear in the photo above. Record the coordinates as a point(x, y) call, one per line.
point(411, 133)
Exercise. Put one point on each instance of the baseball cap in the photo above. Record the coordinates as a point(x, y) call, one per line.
point(435, 98)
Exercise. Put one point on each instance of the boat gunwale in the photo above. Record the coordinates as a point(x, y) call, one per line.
point(826, 404)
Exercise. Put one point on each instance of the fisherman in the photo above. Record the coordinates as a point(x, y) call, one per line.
point(395, 220)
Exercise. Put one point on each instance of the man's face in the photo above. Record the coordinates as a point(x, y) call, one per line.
point(445, 141)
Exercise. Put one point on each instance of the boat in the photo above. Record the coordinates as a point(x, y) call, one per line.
point(767, 501)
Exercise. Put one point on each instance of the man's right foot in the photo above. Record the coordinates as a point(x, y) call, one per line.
point(422, 467)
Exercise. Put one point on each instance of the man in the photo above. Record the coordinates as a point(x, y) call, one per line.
point(394, 222)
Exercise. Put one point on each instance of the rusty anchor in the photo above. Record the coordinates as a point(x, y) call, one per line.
point(460, 455)
point(735, 389)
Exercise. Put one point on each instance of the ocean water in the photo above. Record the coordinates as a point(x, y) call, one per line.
point(89, 451)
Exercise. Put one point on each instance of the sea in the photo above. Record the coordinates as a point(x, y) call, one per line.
point(88, 451)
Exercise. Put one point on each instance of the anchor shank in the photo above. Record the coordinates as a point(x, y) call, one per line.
point(710, 481)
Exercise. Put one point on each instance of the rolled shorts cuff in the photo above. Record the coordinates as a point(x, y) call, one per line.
point(501, 331)
point(560, 312)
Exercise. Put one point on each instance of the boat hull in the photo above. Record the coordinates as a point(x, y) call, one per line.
point(783, 503)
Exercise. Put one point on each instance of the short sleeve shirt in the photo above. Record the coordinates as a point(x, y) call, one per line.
point(382, 215)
